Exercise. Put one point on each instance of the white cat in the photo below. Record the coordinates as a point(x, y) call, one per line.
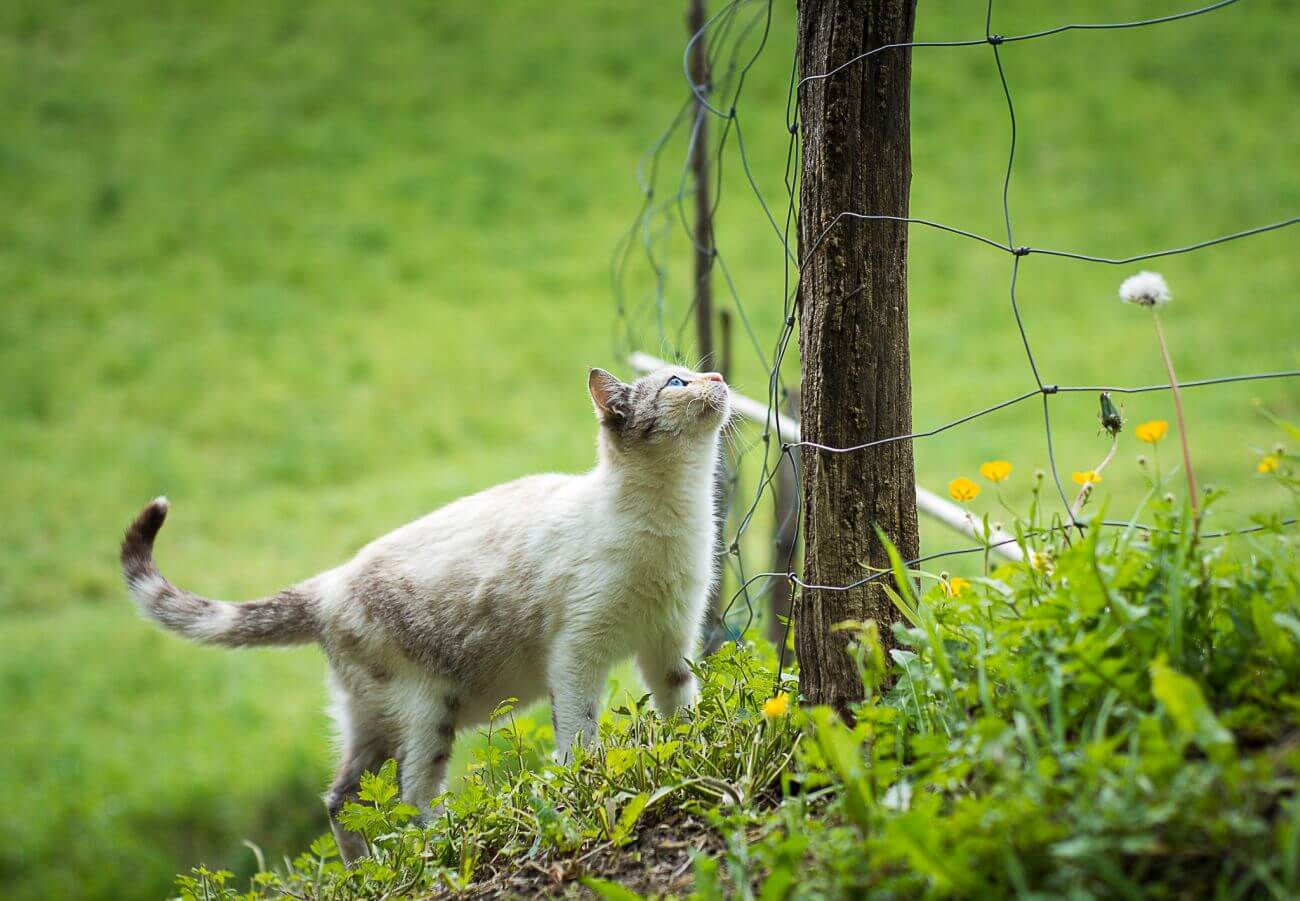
point(531, 588)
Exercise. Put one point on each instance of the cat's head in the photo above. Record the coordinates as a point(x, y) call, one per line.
point(662, 414)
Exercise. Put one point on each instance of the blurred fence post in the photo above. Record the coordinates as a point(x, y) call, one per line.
point(713, 630)
point(785, 536)
point(703, 236)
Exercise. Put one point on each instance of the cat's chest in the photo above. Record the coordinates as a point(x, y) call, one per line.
point(651, 566)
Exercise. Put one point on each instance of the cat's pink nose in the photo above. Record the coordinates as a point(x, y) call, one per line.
point(712, 377)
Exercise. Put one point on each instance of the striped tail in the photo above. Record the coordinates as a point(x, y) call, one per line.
point(286, 618)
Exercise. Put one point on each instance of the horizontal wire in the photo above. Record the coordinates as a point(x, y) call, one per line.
point(794, 579)
point(926, 434)
point(1007, 39)
point(1110, 26)
point(1195, 383)
point(1121, 261)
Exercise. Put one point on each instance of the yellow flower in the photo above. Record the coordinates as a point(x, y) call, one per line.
point(963, 489)
point(1091, 477)
point(995, 470)
point(1267, 465)
point(957, 585)
point(776, 706)
point(1152, 431)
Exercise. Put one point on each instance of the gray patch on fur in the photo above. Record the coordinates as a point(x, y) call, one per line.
point(350, 658)
point(285, 618)
point(678, 677)
point(466, 647)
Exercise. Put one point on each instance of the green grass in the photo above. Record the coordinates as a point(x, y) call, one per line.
point(1122, 723)
point(313, 270)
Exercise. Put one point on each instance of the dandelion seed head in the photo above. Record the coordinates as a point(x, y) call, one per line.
point(1146, 289)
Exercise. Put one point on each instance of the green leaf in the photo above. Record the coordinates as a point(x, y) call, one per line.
point(628, 817)
point(611, 891)
point(1182, 699)
point(379, 788)
point(619, 760)
point(708, 882)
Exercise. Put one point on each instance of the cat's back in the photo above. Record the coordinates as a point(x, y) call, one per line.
point(507, 514)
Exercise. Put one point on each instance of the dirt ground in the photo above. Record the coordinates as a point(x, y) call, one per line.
point(658, 863)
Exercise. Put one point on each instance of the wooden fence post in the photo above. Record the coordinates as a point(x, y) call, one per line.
point(856, 380)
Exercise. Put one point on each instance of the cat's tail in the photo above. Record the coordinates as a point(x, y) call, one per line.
point(286, 618)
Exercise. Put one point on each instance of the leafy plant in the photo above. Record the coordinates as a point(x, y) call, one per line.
point(1122, 720)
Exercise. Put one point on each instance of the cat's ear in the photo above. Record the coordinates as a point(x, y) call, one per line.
point(609, 395)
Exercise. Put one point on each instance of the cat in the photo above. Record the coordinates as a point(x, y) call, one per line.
point(531, 589)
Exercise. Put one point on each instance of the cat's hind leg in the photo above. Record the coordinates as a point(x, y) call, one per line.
point(428, 725)
point(367, 743)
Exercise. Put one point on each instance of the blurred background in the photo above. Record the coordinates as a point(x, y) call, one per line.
point(314, 269)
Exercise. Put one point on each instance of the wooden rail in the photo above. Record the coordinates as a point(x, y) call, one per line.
point(927, 502)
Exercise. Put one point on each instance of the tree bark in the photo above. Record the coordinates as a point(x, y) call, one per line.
point(853, 327)
point(703, 235)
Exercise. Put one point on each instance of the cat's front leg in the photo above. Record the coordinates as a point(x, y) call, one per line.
point(666, 672)
point(576, 676)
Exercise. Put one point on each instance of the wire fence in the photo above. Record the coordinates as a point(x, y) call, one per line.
point(727, 33)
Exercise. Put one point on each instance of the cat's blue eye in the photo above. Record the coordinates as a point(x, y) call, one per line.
point(675, 382)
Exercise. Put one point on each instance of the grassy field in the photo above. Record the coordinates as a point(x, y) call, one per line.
point(314, 270)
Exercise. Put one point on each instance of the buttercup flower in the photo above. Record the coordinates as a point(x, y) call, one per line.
point(776, 706)
point(1267, 465)
point(1152, 431)
point(1089, 477)
point(1041, 562)
point(956, 585)
point(995, 470)
point(963, 489)
point(1146, 289)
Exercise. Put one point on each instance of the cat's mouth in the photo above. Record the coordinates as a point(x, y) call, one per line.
point(715, 400)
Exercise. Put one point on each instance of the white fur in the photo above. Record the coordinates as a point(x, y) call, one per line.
point(533, 588)
point(547, 582)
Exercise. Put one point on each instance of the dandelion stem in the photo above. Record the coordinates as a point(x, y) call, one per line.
point(1182, 422)
point(1086, 488)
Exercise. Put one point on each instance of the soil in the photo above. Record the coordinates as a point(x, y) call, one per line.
point(657, 863)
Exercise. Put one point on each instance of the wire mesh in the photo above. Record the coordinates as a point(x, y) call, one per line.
point(733, 51)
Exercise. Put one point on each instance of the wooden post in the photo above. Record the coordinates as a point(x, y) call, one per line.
point(856, 383)
point(703, 237)
point(785, 536)
point(713, 631)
